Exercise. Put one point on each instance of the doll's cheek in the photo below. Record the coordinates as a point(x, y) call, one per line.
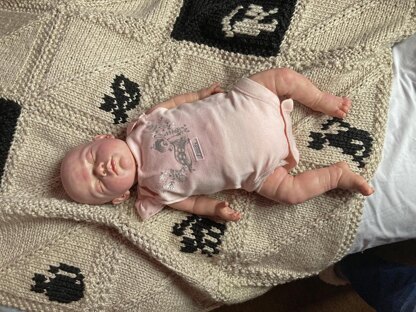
point(128, 165)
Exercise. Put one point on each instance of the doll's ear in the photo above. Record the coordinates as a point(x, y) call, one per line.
point(104, 136)
point(121, 198)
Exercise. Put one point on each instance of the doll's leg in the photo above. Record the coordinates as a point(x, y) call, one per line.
point(283, 187)
point(207, 206)
point(286, 83)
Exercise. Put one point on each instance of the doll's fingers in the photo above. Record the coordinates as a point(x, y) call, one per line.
point(218, 89)
point(224, 204)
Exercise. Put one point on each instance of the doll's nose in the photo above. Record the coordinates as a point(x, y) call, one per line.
point(100, 170)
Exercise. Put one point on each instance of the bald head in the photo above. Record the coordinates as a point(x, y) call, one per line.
point(98, 172)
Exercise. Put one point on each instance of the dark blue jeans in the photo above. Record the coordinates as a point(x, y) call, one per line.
point(386, 286)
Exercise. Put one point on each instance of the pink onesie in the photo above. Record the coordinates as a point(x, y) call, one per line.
point(226, 141)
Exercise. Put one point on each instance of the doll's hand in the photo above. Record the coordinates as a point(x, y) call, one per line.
point(213, 89)
point(225, 212)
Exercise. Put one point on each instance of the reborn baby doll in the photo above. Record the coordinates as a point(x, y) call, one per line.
point(201, 143)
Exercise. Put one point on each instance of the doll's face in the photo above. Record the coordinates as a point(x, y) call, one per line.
point(98, 172)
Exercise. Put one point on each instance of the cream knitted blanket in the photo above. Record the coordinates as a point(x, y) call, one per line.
point(71, 69)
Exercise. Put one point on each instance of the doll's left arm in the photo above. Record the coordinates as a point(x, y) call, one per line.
point(189, 97)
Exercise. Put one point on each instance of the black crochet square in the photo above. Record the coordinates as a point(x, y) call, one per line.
point(9, 113)
point(254, 27)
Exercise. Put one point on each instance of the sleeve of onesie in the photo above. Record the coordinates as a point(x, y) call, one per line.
point(147, 206)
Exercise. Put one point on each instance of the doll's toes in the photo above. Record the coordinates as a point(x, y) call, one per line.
point(346, 104)
point(225, 212)
point(235, 216)
point(231, 215)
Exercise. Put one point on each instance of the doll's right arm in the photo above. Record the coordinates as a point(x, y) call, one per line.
point(207, 206)
point(188, 97)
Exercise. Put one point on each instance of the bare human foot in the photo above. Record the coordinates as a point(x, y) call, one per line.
point(225, 212)
point(332, 105)
point(352, 181)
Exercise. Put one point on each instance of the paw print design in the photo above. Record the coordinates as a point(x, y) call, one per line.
point(338, 133)
point(255, 27)
point(9, 114)
point(64, 284)
point(126, 97)
point(199, 233)
point(251, 24)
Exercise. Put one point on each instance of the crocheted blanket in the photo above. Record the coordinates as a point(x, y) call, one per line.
point(76, 68)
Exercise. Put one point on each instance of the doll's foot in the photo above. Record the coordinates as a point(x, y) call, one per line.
point(225, 212)
point(332, 105)
point(352, 181)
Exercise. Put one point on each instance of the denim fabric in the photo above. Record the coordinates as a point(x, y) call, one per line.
point(386, 286)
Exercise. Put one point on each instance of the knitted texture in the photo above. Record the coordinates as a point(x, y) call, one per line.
point(74, 69)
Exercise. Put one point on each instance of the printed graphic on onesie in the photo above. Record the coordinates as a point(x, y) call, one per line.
point(168, 138)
